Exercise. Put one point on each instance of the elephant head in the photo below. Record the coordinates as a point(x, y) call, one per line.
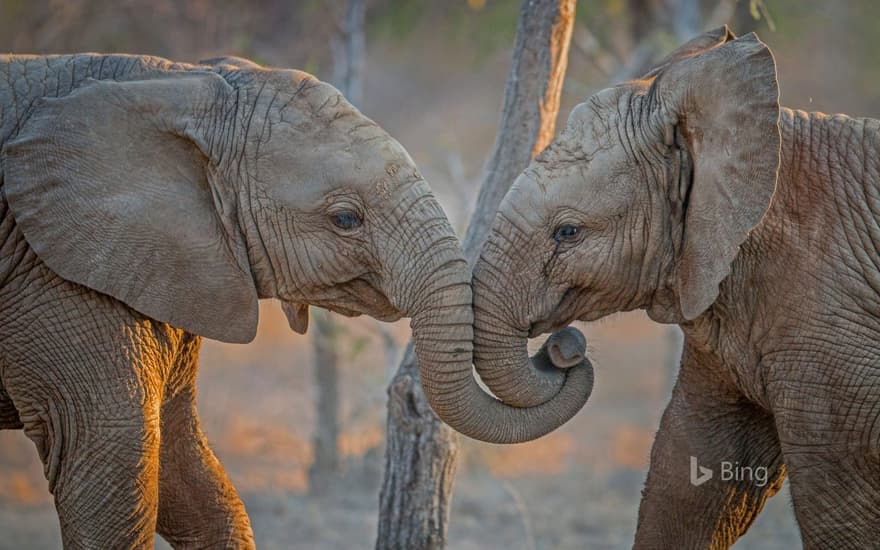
point(641, 202)
point(188, 194)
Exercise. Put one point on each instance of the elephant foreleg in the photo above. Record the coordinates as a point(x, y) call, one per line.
point(101, 459)
point(836, 496)
point(715, 461)
point(198, 506)
point(830, 435)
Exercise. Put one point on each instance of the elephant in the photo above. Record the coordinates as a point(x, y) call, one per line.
point(147, 204)
point(691, 194)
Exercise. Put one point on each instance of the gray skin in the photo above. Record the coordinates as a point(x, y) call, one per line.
point(692, 195)
point(147, 203)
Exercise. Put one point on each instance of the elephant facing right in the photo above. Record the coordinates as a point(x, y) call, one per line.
point(690, 193)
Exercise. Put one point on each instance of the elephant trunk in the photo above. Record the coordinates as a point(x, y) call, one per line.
point(550, 387)
point(442, 324)
point(431, 282)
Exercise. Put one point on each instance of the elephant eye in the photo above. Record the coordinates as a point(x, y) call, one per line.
point(347, 220)
point(566, 233)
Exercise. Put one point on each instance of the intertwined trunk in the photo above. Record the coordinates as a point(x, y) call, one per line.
point(421, 451)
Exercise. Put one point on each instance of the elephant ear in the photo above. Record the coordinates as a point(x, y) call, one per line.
point(112, 187)
point(695, 46)
point(724, 104)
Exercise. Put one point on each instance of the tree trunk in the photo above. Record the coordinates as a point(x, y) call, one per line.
point(325, 339)
point(421, 453)
point(347, 47)
point(531, 105)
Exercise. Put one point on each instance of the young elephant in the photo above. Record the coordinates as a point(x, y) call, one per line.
point(146, 202)
point(691, 194)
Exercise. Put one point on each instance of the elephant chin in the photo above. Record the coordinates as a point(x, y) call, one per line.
point(566, 312)
point(351, 298)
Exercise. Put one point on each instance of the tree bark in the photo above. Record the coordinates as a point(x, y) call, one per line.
point(422, 452)
point(531, 105)
point(325, 339)
point(347, 47)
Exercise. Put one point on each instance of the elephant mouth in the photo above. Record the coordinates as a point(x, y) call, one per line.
point(359, 296)
point(564, 314)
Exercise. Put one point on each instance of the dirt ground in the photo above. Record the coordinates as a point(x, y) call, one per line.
point(576, 488)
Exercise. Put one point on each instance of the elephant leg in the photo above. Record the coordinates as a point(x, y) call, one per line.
point(100, 456)
point(836, 497)
point(87, 376)
point(198, 506)
point(830, 435)
point(708, 426)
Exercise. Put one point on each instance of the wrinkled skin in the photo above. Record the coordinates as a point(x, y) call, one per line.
point(146, 204)
point(692, 195)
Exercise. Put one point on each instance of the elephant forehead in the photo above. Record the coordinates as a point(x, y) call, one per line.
point(527, 201)
point(553, 177)
point(379, 163)
point(599, 109)
point(308, 175)
point(592, 126)
point(376, 162)
point(317, 138)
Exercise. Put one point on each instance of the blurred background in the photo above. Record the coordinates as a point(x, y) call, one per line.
point(433, 75)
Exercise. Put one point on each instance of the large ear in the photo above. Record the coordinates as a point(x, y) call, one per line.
point(695, 46)
point(113, 188)
point(724, 103)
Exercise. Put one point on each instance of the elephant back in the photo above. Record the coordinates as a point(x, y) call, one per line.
point(26, 78)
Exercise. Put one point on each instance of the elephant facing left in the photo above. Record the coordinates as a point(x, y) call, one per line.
point(147, 203)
